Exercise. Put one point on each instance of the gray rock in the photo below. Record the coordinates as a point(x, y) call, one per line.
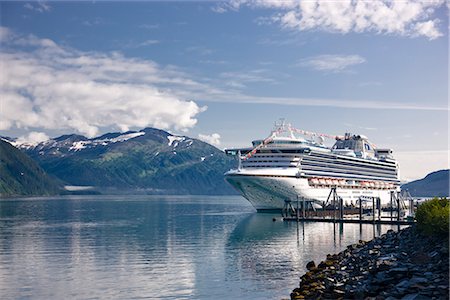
point(418, 280)
point(415, 296)
point(310, 265)
point(403, 285)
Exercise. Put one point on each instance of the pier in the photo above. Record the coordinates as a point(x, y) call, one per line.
point(334, 211)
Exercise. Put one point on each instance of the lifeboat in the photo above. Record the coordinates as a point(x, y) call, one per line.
point(322, 181)
point(365, 184)
point(313, 181)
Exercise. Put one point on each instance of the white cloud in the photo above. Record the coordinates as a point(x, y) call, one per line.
point(333, 63)
point(5, 34)
point(404, 18)
point(213, 139)
point(39, 6)
point(52, 87)
point(201, 50)
point(427, 29)
point(94, 22)
point(33, 138)
point(148, 43)
point(323, 102)
point(239, 79)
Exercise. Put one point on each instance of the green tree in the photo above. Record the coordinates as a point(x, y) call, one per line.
point(433, 217)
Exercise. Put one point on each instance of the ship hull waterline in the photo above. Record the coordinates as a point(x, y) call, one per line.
point(269, 193)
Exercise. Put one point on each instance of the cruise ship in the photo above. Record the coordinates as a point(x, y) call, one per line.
point(286, 166)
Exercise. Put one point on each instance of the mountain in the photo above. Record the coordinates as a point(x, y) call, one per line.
point(435, 184)
point(21, 176)
point(150, 160)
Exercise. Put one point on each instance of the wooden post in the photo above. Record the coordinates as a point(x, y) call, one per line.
point(297, 212)
point(334, 203)
point(392, 203)
point(379, 208)
point(411, 207)
point(341, 204)
point(304, 207)
point(398, 207)
point(360, 208)
point(373, 209)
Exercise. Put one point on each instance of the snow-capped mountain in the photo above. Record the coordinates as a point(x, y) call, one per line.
point(150, 159)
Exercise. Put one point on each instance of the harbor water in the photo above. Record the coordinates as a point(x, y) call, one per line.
point(161, 247)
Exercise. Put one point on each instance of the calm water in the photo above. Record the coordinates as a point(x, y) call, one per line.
point(167, 247)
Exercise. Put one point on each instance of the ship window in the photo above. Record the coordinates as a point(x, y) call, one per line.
point(367, 146)
point(344, 144)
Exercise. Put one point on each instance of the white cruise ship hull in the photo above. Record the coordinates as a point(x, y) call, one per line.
point(282, 168)
point(268, 189)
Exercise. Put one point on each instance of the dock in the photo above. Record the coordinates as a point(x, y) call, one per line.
point(352, 221)
point(334, 211)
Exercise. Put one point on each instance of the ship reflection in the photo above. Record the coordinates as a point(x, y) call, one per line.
point(271, 251)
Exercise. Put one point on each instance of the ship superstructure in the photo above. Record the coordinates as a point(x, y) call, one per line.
point(285, 166)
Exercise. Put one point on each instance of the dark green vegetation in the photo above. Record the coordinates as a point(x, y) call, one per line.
point(20, 175)
point(433, 217)
point(435, 184)
point(151, 161)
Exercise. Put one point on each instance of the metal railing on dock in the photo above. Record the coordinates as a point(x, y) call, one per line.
point(333, 210)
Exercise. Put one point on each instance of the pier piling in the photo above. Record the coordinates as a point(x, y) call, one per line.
point(333, 210)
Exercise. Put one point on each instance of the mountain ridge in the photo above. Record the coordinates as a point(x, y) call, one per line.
point(150, 159)
point(434, 184)
point(22, 176)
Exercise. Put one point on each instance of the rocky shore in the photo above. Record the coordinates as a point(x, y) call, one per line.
point(396, 265)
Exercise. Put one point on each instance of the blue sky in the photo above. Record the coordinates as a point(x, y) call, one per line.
point(226, 71)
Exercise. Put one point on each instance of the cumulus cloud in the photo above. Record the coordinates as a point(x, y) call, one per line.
point(213, 139)
point(53, 87)
point(33, 138)
point(405, 18)
point(332, 63)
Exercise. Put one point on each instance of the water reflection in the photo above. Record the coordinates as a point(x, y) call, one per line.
point(157, 247)
point(276, 253)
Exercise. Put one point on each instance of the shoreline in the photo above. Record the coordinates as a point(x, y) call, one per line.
point(396, 265)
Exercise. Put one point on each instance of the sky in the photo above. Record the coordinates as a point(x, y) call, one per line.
point(224, 72)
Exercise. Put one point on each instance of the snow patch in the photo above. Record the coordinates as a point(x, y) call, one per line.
point(176, 139)
point(125, 137)
point(76, 146)
point(13, 143)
